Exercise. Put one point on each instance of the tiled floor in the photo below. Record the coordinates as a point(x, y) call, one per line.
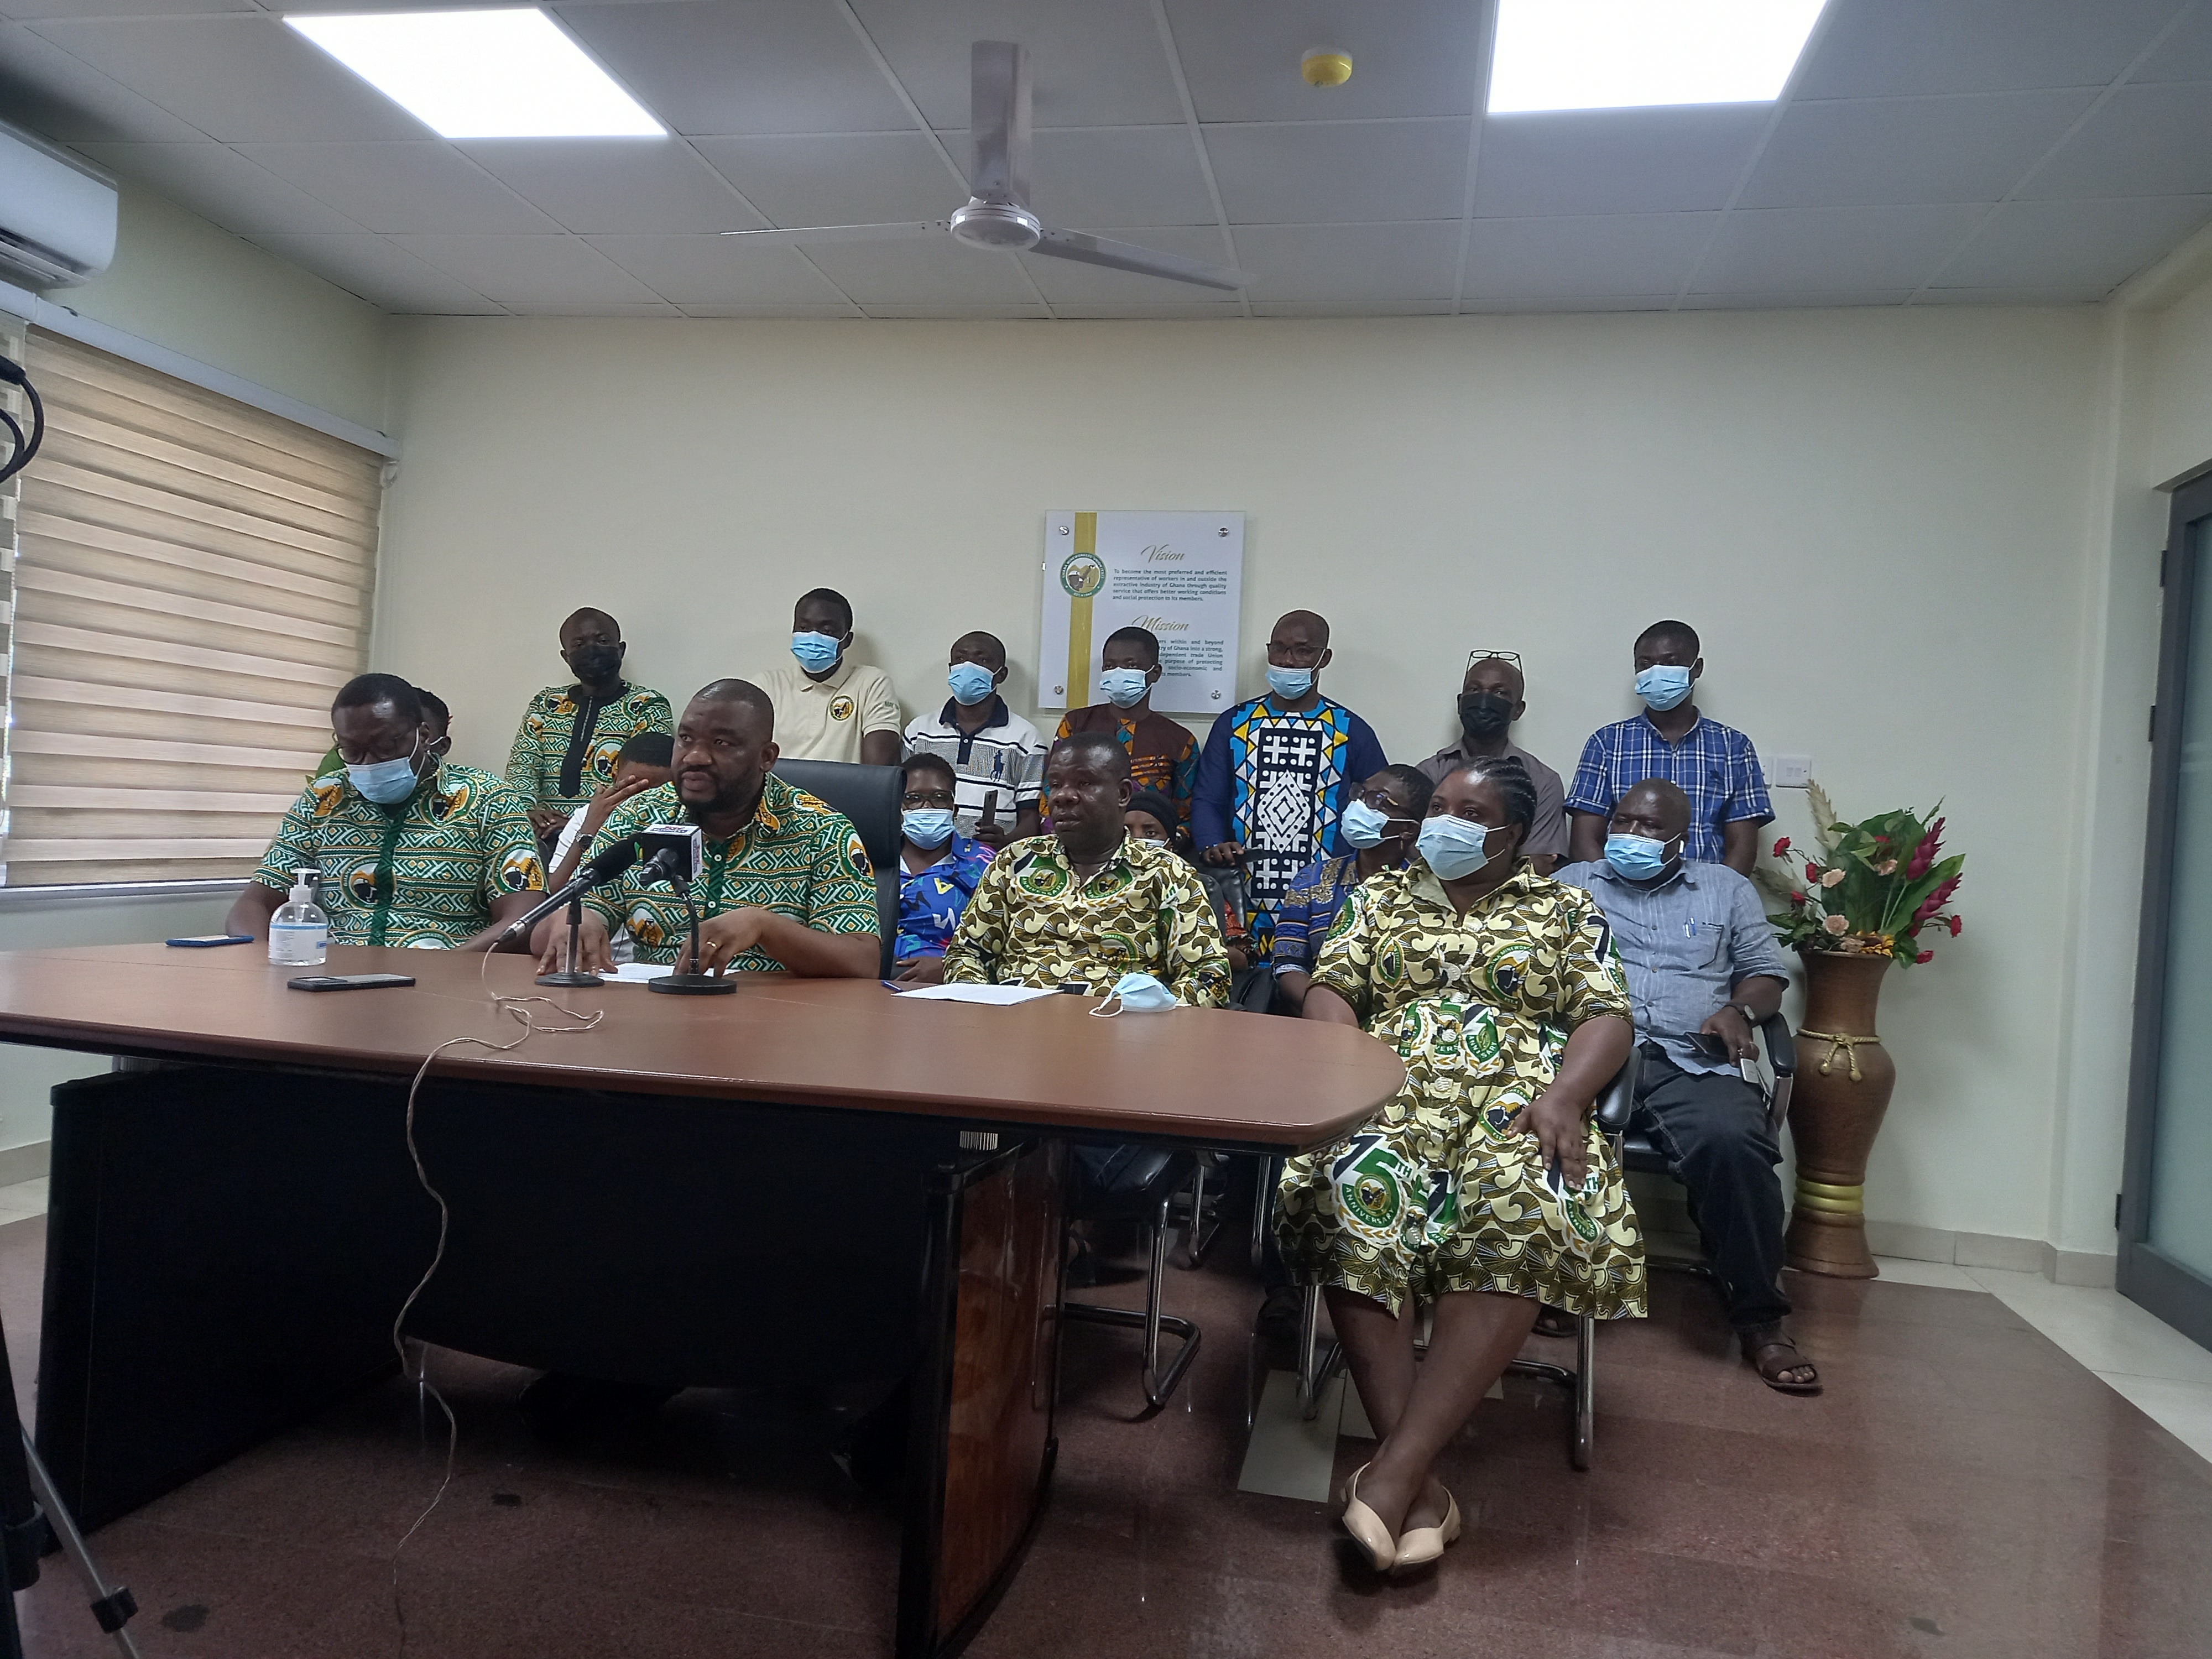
point(1963, 1489)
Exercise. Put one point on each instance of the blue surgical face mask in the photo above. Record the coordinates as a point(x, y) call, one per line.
point(815, 652)
point(386, 782)
point(1638, 858)
point(927, 826)
point(1663, 686)
point(1290, 683)
point(1137, 994)
point(1362, 826)
point(970, 682)
point(1125, 688)
point(1453, 847)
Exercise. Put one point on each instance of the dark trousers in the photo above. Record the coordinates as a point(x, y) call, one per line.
point(1711, 1128)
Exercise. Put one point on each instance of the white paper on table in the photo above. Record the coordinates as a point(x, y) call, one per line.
point(1000, 995)
point(637, 973)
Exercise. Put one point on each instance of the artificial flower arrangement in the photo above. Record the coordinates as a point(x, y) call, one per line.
point(1875, 888)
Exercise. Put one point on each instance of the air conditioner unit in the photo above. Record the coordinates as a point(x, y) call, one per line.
point(56, 213)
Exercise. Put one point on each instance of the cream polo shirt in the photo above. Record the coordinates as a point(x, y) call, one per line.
point(825, 719)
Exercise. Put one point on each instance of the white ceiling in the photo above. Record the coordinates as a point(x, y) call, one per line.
point(1927, 151)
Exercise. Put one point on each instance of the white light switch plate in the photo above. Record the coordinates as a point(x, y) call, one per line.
point(1791, 771)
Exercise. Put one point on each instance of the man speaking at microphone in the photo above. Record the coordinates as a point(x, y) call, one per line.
point(785, 886)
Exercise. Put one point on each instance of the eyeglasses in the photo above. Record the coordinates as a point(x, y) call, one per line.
point(1379, 800)
point(1484, 654)
point(918, 798)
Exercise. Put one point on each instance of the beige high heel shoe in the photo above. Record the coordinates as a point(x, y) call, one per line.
point(1422, 1545)
point(1366, 1527)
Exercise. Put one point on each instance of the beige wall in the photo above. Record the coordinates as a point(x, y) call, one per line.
point(1886, 525)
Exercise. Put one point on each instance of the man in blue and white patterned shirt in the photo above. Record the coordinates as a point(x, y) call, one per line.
point(1714, 765)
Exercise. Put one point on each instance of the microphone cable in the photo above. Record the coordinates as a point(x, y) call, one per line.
point(518, 1009)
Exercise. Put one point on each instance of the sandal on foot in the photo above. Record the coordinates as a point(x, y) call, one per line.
point(1772, 1353)
point(1422, 1545)
point(1366, 1527)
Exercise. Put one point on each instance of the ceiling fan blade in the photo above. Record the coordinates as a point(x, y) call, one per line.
point(999, 121)
point(803, 235)
point(1146, 262)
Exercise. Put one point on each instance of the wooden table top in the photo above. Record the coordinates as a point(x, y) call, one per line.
point(1204, 1075)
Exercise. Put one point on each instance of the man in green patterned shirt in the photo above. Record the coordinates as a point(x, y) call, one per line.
point(787, 886)
point(1089, 902)
point(413, 850)
point(566, 746)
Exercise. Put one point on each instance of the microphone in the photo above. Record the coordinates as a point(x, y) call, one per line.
point(603, 868)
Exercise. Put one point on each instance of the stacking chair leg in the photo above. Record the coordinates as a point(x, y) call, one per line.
point(1580, 1384)
point(1315, 1367)
point(1158, 1383)
point(1263, 1210)
point(1200, 1239)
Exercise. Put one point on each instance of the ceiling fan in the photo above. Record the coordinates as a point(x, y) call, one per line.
point(998, 217)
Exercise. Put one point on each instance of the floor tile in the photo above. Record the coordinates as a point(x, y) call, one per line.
point(1289, 1457)
point(2100, 1328)
point(2184, 1410)
point(1940, 1275)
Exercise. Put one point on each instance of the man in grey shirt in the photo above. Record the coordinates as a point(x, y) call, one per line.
point(1703, 971)
point(1490, 701)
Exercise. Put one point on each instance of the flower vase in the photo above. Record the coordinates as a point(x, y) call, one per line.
point(1843, 1086)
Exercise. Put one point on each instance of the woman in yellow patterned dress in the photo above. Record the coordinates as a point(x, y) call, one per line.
point(1483, 1188)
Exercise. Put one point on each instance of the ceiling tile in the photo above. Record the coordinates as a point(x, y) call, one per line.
point(935, 272)
point(1851, 298)
point(221, 185)
point(1092, 63)
point(2092, 294)
point(1830, 250)
point(426, 186)
point(1409, 57)
point(572, 308)
point(1614, 160)
point(240, 79)
point(1089, 177)
point(715, 270)
point(1346, 172)
point(46, 89)
point(44, 9)
point(1627, 253)
point(1556, 304)
point(1878, 48)
point(1879, 151)
point(382, 274)
point(839, 177)
point(1008, 312)
point(543, 269)
point(1352, 308)
point(841, 309)
point(2185, 56)
point(1069, 281)
point(1351, 262)
point(2146, 141)
point(615, 184)
point(2074, 243)
point(1188, 311)
point(716, 66)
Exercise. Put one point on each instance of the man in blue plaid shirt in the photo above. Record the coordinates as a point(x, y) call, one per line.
point(1714, 765)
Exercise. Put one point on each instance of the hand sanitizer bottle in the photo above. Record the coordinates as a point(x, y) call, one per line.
point(300, 933)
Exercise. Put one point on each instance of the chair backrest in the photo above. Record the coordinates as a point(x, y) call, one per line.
point(1782, 1061)
point(869, 796)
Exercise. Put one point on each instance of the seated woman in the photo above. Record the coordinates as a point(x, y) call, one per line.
point(938, 868)
point(1483, 1187)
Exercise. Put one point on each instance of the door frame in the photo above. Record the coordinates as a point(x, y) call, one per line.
point(2177, 1294)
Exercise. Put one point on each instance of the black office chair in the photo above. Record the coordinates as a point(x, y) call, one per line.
point(869, 796)
point(1640, 1156)
point(1136, 1183)
point(1615, 1104)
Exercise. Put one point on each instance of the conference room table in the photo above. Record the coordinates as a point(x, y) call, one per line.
point(808, 1180)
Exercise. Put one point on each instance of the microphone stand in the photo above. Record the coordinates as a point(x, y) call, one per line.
point(573, 976)
point(695, 983)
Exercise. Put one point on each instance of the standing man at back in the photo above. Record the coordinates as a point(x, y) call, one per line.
point(1491, 699)
point(1163, 754)
point(1714, 765)
point(827, 708)
point(994, 754)
point(1277, 772)
point(564, 751)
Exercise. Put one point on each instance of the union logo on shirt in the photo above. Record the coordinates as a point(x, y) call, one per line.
point(841, 709)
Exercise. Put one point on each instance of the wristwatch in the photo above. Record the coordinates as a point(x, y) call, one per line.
point(1749, 1018)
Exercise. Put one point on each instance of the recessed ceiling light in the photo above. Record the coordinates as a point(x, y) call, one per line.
point(506, 74)
point(1620, 54)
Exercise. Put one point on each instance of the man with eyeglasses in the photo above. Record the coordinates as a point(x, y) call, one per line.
point(938, 868)
point(1380, 826)
point(413, 849)
point(1277, 773)
point(1491, 699)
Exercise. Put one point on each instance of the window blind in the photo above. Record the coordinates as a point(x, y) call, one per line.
point(192, 584)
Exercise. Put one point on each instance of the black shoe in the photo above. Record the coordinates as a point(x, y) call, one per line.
point(1280, 1312)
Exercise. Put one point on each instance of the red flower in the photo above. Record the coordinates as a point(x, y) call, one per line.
point(1812, 873)
point(1956, 925)
point(1796, 898)
point(1924, 856)
point(1884, 840)
point(1926, 956)
point(1782, 846)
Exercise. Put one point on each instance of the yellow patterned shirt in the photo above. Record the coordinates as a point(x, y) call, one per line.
point(1030, 923)
point(798, 857)
point(554, 767)
point(424, 873)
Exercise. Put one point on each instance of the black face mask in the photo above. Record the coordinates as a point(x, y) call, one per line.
point(595, 662)
point(1483, 713)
